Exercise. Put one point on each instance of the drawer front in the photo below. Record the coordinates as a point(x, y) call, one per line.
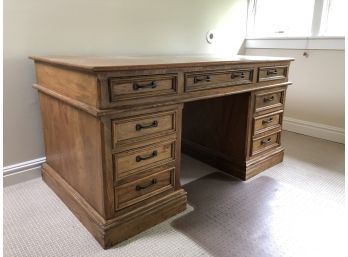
point(130, 162)
point(142, 86)
point(206, 80)
point(272, 73)
point(143, 126)
point(269, 100)
point(265, 143)
point(266, 122)
point(144, 188)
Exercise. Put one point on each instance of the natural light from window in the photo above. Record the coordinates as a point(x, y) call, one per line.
point(296, 18)
point(332, 21)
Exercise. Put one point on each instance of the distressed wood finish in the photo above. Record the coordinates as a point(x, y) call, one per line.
point(113, 131)
point(142, 86)
point(129, 162)
point(203, 80)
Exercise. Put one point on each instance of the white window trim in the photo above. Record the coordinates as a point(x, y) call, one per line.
point(315, 41)
point(303, 43)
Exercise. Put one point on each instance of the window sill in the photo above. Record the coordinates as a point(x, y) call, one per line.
point(315, 43)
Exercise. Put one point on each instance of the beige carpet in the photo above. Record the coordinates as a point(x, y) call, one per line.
point(292, 209)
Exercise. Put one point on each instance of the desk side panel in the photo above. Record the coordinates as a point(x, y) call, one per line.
point(73, 148)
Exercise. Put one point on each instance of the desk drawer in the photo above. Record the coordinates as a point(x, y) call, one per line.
point(264, 143)
point(272, 73)
point(206, 80)
point(142, 127)
point(143, 188)
point(269, 100)
point(267, 122)
point(130, 162)
point(142, 86)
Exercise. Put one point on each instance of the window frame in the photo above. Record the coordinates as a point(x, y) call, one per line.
point(318, 27)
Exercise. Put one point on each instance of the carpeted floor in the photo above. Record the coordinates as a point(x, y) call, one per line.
point(293, 209)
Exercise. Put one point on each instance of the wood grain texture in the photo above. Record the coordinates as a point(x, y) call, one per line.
point(114, 127)
point(129, 162)
point(146, 187)
point(142, 86)
point(272, 73)
point(142, 126)
point(211, 79)
point(112, 231)
point(73, 148)
point(129, 63)
point(80, 86)
point(265, 143)
point(267, 122)
point(219, 124)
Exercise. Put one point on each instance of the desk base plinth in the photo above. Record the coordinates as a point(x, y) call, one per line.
point(120, 228)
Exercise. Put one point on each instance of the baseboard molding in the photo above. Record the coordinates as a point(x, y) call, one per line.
point(20, 172)
point(313, 129)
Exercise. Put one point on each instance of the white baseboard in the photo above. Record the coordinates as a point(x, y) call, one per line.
point(313, 129)
point(23, 171)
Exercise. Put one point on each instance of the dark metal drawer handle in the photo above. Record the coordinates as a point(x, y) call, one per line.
point(140, 187)
point(152, 84)
point(267, 121)
point(266, 141)
point(154, 124)
point(268, 99)
point(198, 79)
point(140, 158)
point(235, 75)
point(272, 72)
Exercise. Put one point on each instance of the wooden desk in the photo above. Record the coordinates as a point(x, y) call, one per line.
point(114, 128)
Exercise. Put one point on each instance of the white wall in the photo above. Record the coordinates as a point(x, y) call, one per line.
point(317, 95)
point(100, 27)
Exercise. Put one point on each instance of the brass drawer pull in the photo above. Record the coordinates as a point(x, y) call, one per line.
point(140, 158)
point(239, 74)
point(140, 187)
point(154, 124)
point(272, 72)
point(266, 141)
point(198, 79)
point(268, 99)
point(267, 121)
point(152, 84)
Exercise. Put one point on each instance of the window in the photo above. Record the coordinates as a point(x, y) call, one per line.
point(300, 18)
point(333, 18)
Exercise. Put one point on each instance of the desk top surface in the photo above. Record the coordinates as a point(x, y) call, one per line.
point(135, 62)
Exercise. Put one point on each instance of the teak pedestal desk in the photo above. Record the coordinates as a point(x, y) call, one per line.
point(114, 129)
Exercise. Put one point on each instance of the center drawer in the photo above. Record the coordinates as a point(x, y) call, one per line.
point(213, 79)
point(141, 189)
point(130, 162)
